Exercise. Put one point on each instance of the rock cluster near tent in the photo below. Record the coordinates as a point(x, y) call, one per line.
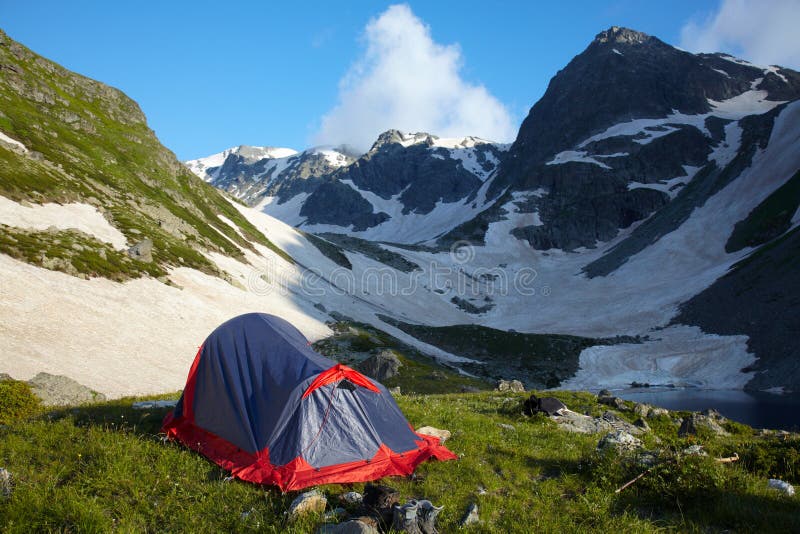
point(59, 390)
point(380, 509)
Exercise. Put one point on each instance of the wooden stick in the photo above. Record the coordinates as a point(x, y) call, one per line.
point(727, 460)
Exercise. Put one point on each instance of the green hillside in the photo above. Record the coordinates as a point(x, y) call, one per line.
point(88, 142)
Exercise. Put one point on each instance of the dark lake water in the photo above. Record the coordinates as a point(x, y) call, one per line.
point(757, 409)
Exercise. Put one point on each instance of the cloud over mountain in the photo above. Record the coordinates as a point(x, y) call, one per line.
point(762, 31)
point(405, 80)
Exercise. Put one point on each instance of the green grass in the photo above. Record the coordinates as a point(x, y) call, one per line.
point(91, 143)
point(103, 467)
point(73, 252)
point(539, 360)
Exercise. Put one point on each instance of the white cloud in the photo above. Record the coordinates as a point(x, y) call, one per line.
point(762, 31)
point(406, 81)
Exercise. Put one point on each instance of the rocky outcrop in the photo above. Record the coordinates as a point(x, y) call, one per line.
point(384, 365)
point(58, 390)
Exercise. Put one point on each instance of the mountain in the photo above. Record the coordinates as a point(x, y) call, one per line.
point(642, 227)
point(642, 176)
point(420, 182)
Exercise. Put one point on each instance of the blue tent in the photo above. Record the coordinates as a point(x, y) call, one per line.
point(262, 404)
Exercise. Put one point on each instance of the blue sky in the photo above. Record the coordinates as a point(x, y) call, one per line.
point(214, 75)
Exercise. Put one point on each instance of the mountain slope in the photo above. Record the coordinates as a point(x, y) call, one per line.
point(407, 188)
point(67, 138)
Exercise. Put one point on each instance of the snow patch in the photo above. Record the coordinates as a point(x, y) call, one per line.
point(680, 355)
point(77, 216)
point(12, 142)
point(288, 212)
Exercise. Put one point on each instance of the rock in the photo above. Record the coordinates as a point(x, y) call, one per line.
point(336, 513)
point(641, 409)
point(694, 450)
point(58, 390)
point(605, 393)
point(469, 389)
point(583, 424)
point(714, 414)
point(6, 484)
point(351, 497)
point(4, 377)
point(692, 424)
point(381, 366)
point(514, 386)
point(395, 391)
point(349, 527)
point(545, 405)
point(657, 412)
point(614, 402)
point(641, 423)
point(781, 486)
point(617, 423)
point(309, 502)
point(506, 427)
point(619, 441)
point(443, 435)
point(142, 251)
point(471, 517)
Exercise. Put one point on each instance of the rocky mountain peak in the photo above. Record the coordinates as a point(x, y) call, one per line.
point(400, 138)
point(617, 34)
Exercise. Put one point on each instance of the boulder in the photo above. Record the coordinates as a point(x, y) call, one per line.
point(58, 390)
point(309, 502)
point(691, 425)
point(657, 412)
point(142, 251)
point(780, 485)
point(614, 402)
point(583, 424)
point(641, 409)
point(381, 366)
point(351, 497)
point(5, 483)
point(641, 423)
point(4, 377)
point(442, 434)
point(514, 386)
point(619, 441)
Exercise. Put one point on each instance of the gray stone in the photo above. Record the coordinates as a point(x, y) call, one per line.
point(142, 251)
point(641, 423)
point(619, 441)
point(58, 390)
point(691, 425)
point(694, 450)
point(309, 502)
point(351, 497)
point(6, 484)
point(614, 402)
point(4, 377)
point(514, 386)
point(426, 516)
point(442, 434)
point(641, 409)
point(381, 366)
point(657, 412)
